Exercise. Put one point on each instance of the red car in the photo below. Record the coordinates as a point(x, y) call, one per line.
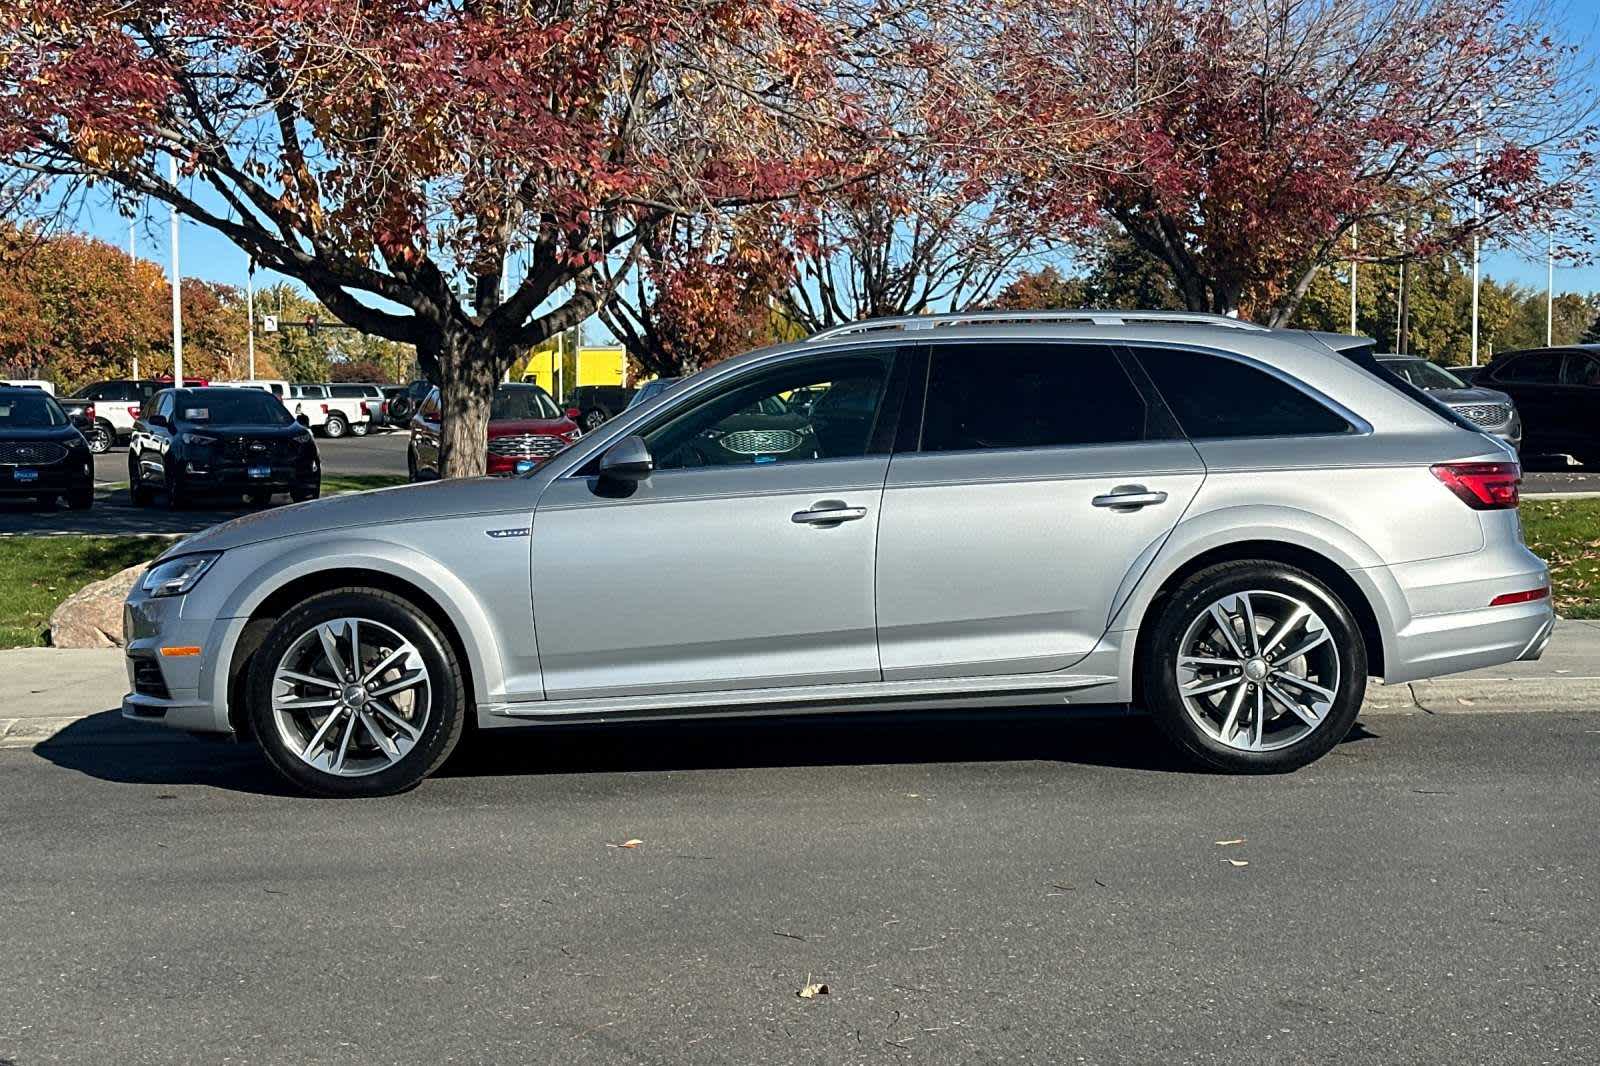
point(526, 427)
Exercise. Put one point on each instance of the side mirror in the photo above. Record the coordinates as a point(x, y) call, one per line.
point(158, 420)
point(627, 460)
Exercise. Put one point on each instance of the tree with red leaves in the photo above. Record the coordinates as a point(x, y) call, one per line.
point(1251, 142)
point(461, 177)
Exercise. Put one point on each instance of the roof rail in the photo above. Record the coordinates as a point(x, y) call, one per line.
point(1088, 316)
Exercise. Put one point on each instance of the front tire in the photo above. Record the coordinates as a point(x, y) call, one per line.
point(81, 499)
point(593, 420)
point(138, 491)
point(335, 427)
point(355, 692)
point(359, 429)
point(1254, 667)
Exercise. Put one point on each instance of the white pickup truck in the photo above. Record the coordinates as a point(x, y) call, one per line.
point(326, 413)
point(117, 404)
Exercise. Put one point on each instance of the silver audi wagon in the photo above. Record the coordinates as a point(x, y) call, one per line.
point(1229, 527)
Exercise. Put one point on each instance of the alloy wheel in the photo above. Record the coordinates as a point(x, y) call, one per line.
point(351, 697)
point(1258, 670)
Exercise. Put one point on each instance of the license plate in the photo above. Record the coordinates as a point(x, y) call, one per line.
point(260, 471)
point(25, 474)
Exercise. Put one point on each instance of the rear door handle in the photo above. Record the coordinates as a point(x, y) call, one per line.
point(1131, 497)
point(828, 513)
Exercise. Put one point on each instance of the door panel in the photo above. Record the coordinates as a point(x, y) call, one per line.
point(1001, 562)
point(703, 579)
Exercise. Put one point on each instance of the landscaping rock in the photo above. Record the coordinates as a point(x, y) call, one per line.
point(92, 616)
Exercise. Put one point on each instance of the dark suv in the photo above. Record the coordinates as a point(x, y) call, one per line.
point(42, 455)
point(216, 441)
point(1557, 391)
point(597, 403)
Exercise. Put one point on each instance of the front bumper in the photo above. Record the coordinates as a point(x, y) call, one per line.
point(236, 478)
point(186, 692)
point(69, 475)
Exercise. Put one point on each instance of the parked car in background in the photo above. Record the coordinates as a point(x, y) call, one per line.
point(1557, 391)
point(117, 404)
point(1228, 526)
point(377, 405)
point(30, 383)
point(220, 441)
point(651, 389)
point(404, 404)
point(277, 386)
point(595, 404)
point(1468, 374)
point(42, 455)
point(324, 413)
point(1488, 409)
point(526, 428)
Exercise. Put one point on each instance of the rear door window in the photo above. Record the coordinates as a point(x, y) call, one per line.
point(1534, 368)
point(1002, 395)
point(1215, 397)
point(1580, 370)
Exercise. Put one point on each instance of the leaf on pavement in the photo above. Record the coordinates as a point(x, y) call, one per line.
point(1225, 843)
point(1237, 862)
point(812, 989)
point(632, 842)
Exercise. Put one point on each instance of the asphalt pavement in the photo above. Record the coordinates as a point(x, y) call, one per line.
point(997, 887)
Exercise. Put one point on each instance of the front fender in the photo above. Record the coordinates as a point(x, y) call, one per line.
point(266, 568)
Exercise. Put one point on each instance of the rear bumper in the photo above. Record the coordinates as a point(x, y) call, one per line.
point(1470, 640)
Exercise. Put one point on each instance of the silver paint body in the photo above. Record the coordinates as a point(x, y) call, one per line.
point(974, 578)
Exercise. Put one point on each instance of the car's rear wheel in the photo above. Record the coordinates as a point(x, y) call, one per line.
point(1254, 667)
point(100, 437)
point(335, 427)
point(356, 692)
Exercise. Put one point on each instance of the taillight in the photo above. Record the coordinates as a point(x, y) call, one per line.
point(1482, 486)
point(324, 407)
point(88, 412)
point(133, 411)
point(365, 410)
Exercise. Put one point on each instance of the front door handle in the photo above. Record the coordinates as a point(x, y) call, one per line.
point(828, 513)
point(1131, 497)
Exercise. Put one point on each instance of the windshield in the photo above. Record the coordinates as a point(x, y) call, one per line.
point(233, 407)
point(513, 403)
point(30, 412)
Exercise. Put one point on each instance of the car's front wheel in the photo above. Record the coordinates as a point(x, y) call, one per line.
point(359, 429)
point(356, 692)
point(1254, 667)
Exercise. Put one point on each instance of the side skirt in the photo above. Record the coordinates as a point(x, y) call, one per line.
point(941, 692)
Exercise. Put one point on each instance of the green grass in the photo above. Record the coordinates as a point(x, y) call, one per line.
point(37, 573)
point(359, 482)
point(1566, 534)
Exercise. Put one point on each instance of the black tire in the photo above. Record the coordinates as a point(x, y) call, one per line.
point(411, 466)
point(335, 427)
point(592, 420)
point(138, 492)
point(359, 429)
point(259, 499)
point(81, 499)
point(1189, 604)
point(302, 493)
point(100, 437)
point(447, 712)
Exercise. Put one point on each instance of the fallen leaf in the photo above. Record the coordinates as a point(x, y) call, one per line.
point(812, 989)
point(630, 843)
point(1237, 862)
point(1225, 843)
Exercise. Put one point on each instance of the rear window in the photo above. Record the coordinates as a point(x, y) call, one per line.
point(1214, 397)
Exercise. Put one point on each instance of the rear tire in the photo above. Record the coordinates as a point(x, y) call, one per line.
point(100, 437)
point(1274, 691)
point(332, 750)
point(335, 427)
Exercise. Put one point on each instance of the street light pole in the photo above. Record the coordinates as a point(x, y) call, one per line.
point(1477, 221)
point(1353, 240)
point(1550, 293)
point(177, 280)
point(250, 315)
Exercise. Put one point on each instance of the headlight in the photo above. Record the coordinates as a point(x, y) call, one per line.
point(198, 439)
point(177, 576)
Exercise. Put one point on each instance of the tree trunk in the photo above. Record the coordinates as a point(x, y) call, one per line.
point(467, 378)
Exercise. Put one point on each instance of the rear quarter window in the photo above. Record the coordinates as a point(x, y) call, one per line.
point(1215, 397)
